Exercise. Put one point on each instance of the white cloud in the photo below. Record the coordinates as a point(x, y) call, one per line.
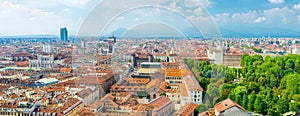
point(260, 19)
point(20, 18)
point(222, 17)
point(76, 3)
point(206, 2)
point(198, 18)
point(275, 17)
point(297, 7)
point(192, 3)
point(279, 15)
point(247, 17)
point(12, 8)
point(276, 1)
point(198, 11)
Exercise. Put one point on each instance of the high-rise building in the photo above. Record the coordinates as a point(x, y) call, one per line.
point(83, 43)
point(47, 48)
point(114, 38)
point(64, 34)
point(110, 47)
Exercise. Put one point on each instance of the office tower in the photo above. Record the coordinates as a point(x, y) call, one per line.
point(64, 34)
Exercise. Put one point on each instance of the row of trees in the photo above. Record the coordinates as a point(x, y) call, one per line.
point(264, 85)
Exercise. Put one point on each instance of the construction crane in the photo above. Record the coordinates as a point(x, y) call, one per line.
point(30, 69)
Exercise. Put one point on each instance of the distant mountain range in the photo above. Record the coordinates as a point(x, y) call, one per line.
point(31, 36)
point(189, 33)
point(253, 32)
point(118, 33)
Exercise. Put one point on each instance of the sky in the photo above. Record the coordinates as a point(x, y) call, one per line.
point(234, 18)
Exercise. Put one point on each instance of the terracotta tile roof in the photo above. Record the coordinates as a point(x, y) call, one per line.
point(107, 74)
point(139, 107)
point(176, 72)
point(22, 64)
point(65, 70)
point(123, 97)
point(139, 80)
point(44, 99)
point(66, 83)
point(226, 104)
point(109, 99)
point(4, 87)
point(13, 96)
point(192, 83)
point(96, 105)
point(122, 94)
point(2, 93)
point(71, 102)
point(110, 96)
point(169, 63)
point(143, 56)
point(9, 105)
point(50, 89)
point(88, 80)
point(160, 102)
point(84, 93)
point(158, 54)
point(24, 54)
point(187, 109)
point(85, 112)
point(154, 82)
point(183, 90)
point(163, 85)
point(173, 55)
point(68, 60)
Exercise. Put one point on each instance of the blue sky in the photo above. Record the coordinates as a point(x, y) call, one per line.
point(233, 17)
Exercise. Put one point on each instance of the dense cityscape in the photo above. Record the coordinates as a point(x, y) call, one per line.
point(118, 76)
point(149, 58)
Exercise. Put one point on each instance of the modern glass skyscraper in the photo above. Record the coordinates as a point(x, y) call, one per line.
point(64, 34)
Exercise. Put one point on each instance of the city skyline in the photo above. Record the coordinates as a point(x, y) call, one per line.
point(149, 57)
point(275, 18)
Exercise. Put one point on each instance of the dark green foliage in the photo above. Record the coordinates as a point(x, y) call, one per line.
point(270, 86)
point(163, 94)
point(257, 50)
point(157, 60)
point(143, 94)
point(272, 83)
point(168, 87)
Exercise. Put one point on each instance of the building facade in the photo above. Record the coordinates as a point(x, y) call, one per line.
point(43, 61)
point(64, 34)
